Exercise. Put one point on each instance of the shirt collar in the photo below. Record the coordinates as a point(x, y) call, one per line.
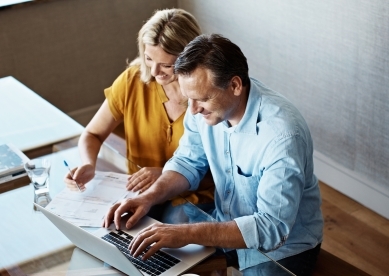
point(248, 123)
point(161, 92)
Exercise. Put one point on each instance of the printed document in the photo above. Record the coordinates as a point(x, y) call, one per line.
point(88, 208)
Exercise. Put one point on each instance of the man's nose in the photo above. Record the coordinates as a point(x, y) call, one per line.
point(194, 107)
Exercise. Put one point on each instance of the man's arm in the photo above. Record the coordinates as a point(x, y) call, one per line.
point(217, 234)
point(170, 184)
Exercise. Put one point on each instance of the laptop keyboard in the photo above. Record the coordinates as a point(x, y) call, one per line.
point(155, 265)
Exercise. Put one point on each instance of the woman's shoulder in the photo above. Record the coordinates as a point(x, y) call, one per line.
point(130, 77)
point(132, 72)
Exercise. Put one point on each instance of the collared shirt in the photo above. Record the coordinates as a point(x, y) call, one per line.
point(263, 172)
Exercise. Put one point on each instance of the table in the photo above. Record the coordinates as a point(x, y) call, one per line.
point(4, 3)
point(27, 237)
point(30, 122)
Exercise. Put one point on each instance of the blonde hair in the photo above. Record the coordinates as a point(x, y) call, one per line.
point(171, 29)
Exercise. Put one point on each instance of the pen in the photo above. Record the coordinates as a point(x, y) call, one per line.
point(71, 174)
point(139, 167)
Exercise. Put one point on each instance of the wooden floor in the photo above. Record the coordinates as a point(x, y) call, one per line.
point(354, 233)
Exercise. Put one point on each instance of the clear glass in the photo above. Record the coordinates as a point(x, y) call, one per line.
point(38, 171)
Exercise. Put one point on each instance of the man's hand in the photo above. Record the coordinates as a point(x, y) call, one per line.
point(137, 207)
point(143, 179)
point(160, 235)
point(218, 234)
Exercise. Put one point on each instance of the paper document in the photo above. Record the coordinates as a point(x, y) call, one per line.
point(89, 207)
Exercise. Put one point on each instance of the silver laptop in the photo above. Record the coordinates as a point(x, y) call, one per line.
point(110, 246)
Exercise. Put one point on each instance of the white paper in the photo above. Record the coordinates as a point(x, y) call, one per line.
point(88, 208)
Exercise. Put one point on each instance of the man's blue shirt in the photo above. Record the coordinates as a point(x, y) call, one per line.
point(263, 173)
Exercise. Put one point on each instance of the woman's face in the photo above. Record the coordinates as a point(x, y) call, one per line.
point(161, 64)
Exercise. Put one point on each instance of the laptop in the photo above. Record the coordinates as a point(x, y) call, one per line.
point(110, 246)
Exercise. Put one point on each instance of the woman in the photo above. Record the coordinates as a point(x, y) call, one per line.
point(147, 98)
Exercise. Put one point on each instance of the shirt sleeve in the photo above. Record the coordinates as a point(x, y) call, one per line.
point(117, 94)
point(189, 159)
point(279, 194)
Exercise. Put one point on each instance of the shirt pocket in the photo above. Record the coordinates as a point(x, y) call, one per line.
point(246, 186)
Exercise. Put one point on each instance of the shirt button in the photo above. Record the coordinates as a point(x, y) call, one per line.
point(228, 192)
point(228, 171)
point(227, 152)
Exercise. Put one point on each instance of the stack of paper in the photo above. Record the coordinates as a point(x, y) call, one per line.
point(88, 208)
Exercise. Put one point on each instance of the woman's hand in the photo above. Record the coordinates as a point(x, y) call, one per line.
point(143, 179)
point(82, 175)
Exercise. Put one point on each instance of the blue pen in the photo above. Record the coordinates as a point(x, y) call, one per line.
point(71, 174)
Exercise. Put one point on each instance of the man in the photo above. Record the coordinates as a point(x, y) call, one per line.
point(259, 150)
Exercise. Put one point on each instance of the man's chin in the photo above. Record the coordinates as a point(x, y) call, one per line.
point(211, 121)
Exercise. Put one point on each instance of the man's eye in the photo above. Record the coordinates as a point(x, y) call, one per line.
point(167, 66)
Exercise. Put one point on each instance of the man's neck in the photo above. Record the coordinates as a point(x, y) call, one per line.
point(241, 108)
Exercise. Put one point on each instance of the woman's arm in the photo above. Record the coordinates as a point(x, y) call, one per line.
point(95, 133)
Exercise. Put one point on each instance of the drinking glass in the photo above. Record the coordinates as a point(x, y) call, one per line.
point(39, 171)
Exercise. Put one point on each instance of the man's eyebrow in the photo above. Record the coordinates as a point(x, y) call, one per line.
point(201, 99)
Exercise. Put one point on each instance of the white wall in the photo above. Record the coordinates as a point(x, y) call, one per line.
point(331, 59)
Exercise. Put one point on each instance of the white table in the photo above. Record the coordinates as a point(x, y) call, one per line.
point(4, 3)
point(29, 121)
point(26, 234)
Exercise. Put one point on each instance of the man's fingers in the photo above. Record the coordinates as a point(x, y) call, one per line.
point(135, 241)
point(150, 251)
point(134, 218)
point(120, 210)
point(109, 216)
point(142, 241)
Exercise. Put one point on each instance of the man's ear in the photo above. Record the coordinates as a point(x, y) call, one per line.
point(236, 85)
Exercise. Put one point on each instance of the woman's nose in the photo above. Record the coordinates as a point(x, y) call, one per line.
point(154, 69)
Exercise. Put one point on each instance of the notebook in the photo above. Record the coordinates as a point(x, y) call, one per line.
point(109, 245)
